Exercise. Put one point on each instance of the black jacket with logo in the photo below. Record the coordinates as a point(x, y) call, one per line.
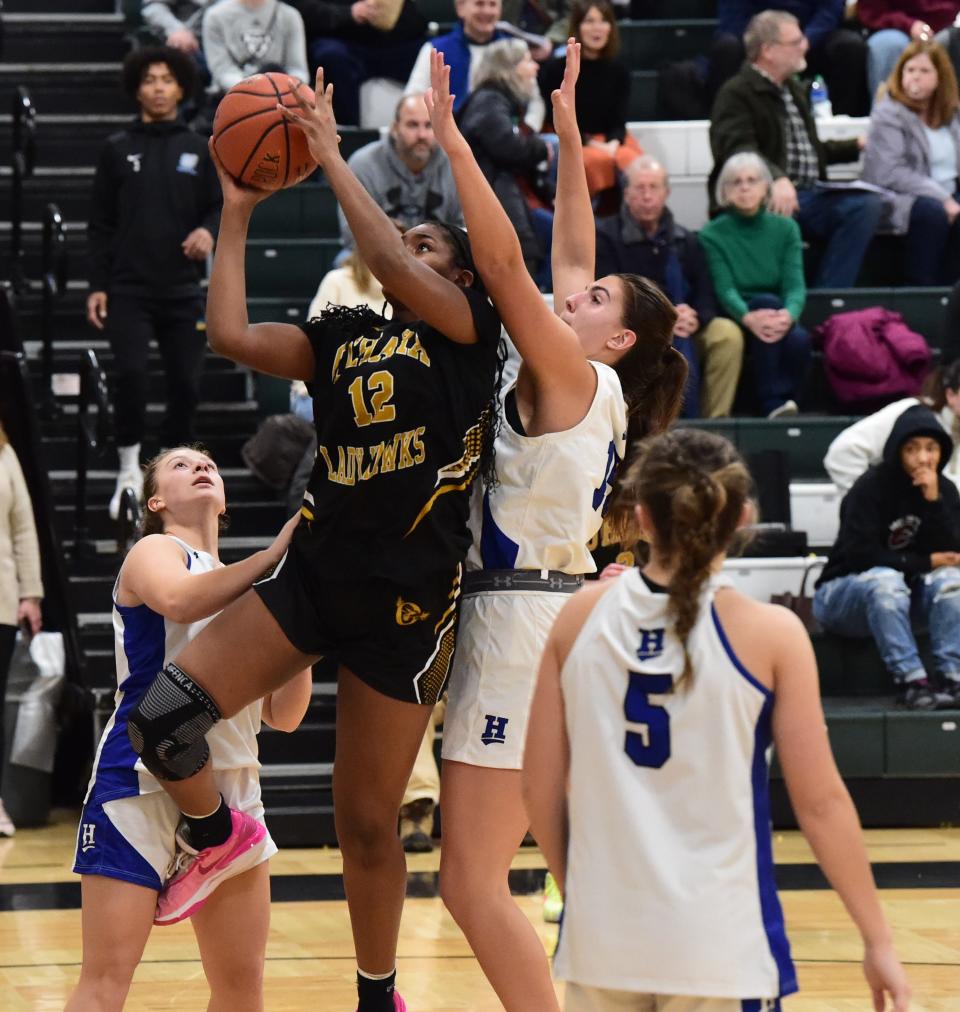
point(153, 186)
point(884, 518)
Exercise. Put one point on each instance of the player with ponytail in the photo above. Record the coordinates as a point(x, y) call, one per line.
point(646, 764)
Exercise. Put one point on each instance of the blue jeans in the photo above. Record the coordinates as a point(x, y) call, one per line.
point(846, 221)
point(779, 369)
point(879, 603)
point(687, 347)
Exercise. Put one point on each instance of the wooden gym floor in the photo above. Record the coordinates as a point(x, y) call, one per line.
point(310, 962)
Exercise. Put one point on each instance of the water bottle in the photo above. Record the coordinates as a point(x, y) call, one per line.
point(819, 99)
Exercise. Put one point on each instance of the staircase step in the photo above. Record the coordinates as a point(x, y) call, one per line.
point(30, 37)
point(313, 741)
point(76, 88)
point(67, 187)
point(67, 354)
point(65, 140)
point(60, 6)
point(220, 386)
point(241, 485)
point(60, 452)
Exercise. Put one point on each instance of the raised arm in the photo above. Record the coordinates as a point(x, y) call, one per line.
point(155, 574)
point(574, 228)
point(823, 806)
point(429, 295)
point(549, 348)
point(276, 348)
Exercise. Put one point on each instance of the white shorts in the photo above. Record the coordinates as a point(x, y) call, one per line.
point(499, 643)
point(133, 837)
point(600, 999)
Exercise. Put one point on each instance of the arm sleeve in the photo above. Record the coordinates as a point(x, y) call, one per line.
point(223, 70)
point(885, 161)
point(877, 14)
point(826, 17)
point(702, 296)
point(419, 79)
point(794, 285)
point(102, 225)
point(493, 132)
point(733, 129)
point(23, 532)
point(861, 445)
point(864, 535)
point(723, 283)
point(295, 48)
point(159, 15)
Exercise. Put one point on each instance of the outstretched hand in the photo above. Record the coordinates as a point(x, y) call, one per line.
point(440, 103)
point(316, 120)
point(564, 97)
point(235, 194)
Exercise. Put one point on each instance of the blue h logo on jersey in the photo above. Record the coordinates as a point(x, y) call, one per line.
point(651, 643)
point(495, 732)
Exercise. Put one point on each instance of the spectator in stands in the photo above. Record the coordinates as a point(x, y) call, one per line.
point(406, 172)
point(244, 37)
point(154, 211)
point(177, 22)
point(837, 53)
point(512, 158)
point(358, 40)
point(898, 551)
point(756, 259)
point(644, 239)
point(894, 23)
point(603, 89)
point(861, 445)
point(913, 149)
point(764, 109)
point(21, 589)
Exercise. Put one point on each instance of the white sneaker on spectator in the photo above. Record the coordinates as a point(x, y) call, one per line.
point(129, 476)
point(786, 409)
point(7, 828)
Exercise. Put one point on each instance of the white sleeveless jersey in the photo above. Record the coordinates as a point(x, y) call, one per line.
point(670, 887)
point(552, 489)
point(144, 642)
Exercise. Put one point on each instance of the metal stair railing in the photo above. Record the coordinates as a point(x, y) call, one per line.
point(22, 160)
point(53, 284)
point(93, 422)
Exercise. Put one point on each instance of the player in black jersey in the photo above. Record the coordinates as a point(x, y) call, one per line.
point(404, 412)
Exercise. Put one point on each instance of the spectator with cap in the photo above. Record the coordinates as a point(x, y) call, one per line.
point(766, 110)
point(645, 239)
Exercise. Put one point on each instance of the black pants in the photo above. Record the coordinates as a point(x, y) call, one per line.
point(8, 634)
point(841, 57)
point(132, 322)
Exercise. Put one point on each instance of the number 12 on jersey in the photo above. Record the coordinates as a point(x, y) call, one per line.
point(650, 745)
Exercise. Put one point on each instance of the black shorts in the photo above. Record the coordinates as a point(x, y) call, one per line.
point(398, 639)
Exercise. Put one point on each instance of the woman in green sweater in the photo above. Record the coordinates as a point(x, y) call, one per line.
point(756, 260)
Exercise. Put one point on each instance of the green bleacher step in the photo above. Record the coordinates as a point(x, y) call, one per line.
point(923, 744)
point(288, 267)
point(646, 44)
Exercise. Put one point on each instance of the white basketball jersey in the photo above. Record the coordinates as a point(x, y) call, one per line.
point(552, 489)
point(144, 642)
point(670, 887)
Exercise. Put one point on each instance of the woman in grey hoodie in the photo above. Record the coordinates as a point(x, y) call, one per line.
point(913, 149)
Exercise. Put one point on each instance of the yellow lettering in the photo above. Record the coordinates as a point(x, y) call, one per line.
point(390, 348)
point(388, 460)
point(376, 452)
point(366, 349)
point(420, 454)
point(322, 450)
point(419, 352)
point(405, 338)
point(335, 375)
point(406, 460)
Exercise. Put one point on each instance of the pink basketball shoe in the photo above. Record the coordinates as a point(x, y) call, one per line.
point(198, 873)
point(399, 1005)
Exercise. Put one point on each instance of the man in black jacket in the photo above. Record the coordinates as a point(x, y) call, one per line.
point(644, 239)
point(154, 212)
point(766, 110)
point(898, 551)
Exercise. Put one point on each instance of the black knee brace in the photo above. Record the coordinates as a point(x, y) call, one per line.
point(167, 727)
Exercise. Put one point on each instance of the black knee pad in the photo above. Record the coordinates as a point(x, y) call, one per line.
point(167, 727)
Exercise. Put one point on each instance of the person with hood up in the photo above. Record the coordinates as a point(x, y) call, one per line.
point(897, 554)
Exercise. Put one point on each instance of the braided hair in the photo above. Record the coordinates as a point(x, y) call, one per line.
point(693, 485)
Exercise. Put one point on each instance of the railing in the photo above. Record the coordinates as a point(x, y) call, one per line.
point(22, 159)
point(53, 284)
point(93, 419)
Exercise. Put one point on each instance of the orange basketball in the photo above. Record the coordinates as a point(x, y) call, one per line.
point(255, 143)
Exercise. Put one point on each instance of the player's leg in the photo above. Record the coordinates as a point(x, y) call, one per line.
point(484, 822)
point(239, 657)
point(231, 930)
point(116, 917)
point(181, 348)
point(377, 742)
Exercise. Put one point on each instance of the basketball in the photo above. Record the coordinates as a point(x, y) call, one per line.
point(256, 145)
